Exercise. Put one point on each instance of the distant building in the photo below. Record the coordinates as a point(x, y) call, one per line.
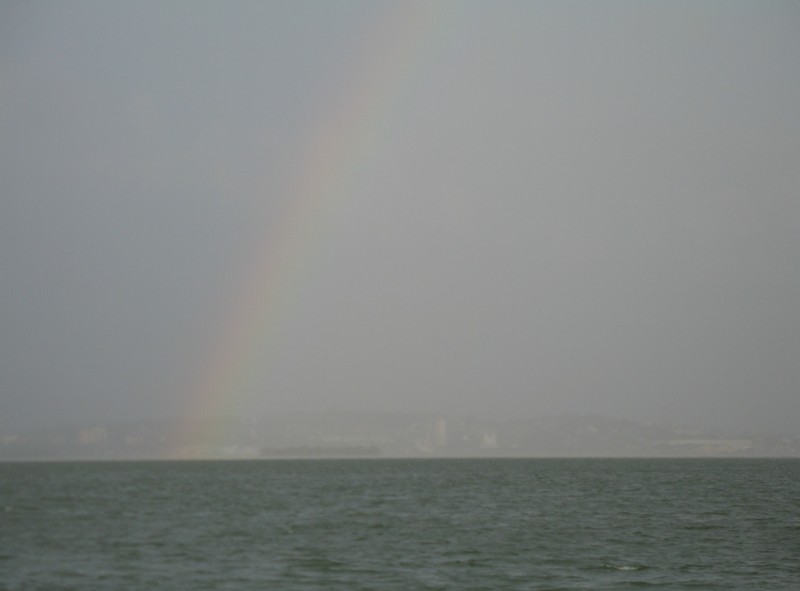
point(92, 435)
point(440, 433)
point(489, 441)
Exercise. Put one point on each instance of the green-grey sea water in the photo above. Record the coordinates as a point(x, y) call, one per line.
point(402, 524)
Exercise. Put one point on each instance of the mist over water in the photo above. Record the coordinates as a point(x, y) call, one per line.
point(399, 229)
point(498, 210)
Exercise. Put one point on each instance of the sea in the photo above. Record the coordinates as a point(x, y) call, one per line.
point(395, 524)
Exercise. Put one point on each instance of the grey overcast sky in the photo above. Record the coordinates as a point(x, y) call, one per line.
point(533, 208)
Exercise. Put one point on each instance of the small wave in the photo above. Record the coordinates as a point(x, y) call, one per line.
point(625, 567)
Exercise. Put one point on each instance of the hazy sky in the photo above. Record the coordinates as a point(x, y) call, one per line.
point(489, 208)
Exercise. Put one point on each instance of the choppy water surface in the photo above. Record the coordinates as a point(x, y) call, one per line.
point(402, 524)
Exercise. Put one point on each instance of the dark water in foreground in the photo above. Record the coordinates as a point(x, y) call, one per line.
point(402, 524)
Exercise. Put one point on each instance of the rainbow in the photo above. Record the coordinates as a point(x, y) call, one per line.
point(336, 154)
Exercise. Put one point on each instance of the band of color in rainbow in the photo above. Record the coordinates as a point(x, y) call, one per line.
point(337, 153)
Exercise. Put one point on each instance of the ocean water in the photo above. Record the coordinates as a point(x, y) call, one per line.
point(402, 524)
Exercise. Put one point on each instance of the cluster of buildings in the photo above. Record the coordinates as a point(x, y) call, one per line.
point(353, 434)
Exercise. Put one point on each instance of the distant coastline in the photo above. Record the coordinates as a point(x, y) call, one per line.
point(340, 434)
point(309, 451)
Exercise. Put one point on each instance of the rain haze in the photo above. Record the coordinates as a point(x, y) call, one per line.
point(493, 209)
